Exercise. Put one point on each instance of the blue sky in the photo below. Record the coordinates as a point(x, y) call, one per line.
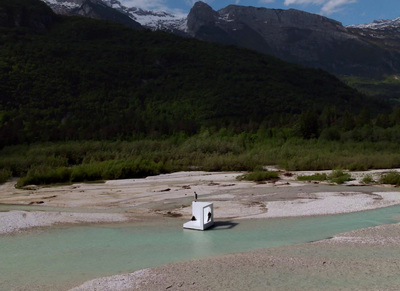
point(345, 11)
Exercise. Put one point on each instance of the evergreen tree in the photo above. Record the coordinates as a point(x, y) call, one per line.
point(395, 116)
point(309, 127)
point(383, 121)
point(364, 118)
point(348, 122)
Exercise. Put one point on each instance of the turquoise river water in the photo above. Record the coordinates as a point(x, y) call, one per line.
point(58, 258)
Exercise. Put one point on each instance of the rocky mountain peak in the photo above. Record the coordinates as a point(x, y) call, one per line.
point(201, 14)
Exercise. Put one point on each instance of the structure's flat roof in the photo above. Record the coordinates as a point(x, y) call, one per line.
point(203, 204)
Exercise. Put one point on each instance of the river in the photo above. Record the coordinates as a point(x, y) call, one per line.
point(58, 258)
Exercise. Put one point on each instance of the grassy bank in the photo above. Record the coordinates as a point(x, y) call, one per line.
point(48, 163)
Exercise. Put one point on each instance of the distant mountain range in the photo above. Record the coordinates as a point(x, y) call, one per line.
point(97, 9)
point(155, 20)
point(385, 33)
point(379, 24)
point(370, 50)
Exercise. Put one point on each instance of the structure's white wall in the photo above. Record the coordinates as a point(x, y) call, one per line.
point(204, 214)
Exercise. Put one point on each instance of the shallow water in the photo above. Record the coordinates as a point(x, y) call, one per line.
point(60, 258)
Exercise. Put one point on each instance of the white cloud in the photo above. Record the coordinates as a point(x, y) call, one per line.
point(266, 1)
point(328, 6)
point(333, 6)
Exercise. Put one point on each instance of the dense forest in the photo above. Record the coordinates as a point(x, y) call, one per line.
point(81, 78)
point(69, 82)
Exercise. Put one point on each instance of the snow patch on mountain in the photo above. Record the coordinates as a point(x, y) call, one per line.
point(63, 3)
point(379, 24)
point(155, 20)
point(226, 17)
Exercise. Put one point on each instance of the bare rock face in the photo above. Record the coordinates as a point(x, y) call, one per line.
point(39, 16)
point(200, 15)
point(294, 36)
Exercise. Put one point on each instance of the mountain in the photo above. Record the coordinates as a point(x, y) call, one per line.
point(379, 24)
point(312, 40)
point(384, 33)
point(294, 36)
point(37, 16)
point(97, 9)
point(154, 20)
point(83, 78)
point(113, 10)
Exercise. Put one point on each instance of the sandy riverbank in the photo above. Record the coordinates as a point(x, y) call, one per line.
point(172, 194)
point(14, 221)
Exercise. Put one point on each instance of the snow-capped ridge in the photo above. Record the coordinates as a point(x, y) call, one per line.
point(379, 24)
point(154, 20)
point(157, 20)
point(66, 4)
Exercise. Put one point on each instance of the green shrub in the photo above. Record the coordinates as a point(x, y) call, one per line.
point(119, 169)
point(392, 178)
point(339, 177)
point(315, 177)
point(44, 175)
point(259, 176)
point(86, 172)
point(358, 166)
point(368, 179)
point(226, 162)
point(5, 175)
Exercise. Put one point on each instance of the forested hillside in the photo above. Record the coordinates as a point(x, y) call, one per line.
point(79, 78)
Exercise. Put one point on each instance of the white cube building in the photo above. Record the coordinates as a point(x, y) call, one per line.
point(202, 216)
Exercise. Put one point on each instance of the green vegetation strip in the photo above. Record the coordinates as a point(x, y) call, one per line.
point(49, 163)
point(336, 176)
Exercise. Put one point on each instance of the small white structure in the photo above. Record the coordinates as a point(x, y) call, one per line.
point(203, 216)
